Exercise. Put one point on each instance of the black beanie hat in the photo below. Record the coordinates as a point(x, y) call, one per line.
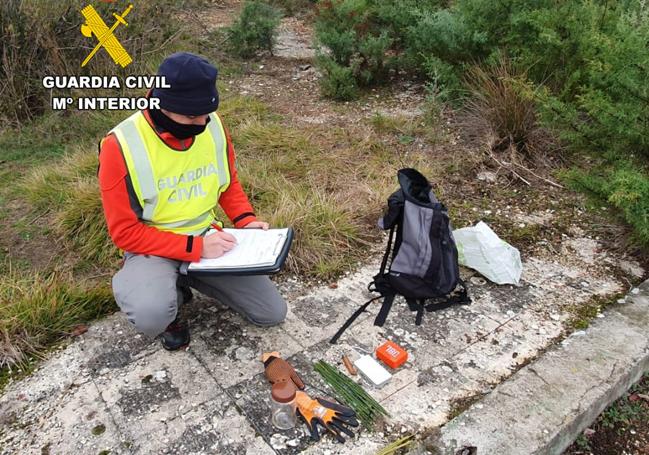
point(193, 85)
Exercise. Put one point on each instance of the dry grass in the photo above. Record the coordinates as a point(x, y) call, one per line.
point(501, 103)
point(69, 191)
point(329, 184)
point(37, 310)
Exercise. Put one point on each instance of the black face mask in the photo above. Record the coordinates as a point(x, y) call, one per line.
point(177, 130)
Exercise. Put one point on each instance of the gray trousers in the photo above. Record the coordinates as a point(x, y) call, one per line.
point(146, 290)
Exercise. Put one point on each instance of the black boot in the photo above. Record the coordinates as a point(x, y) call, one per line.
point(175, 336)
point(187, 293)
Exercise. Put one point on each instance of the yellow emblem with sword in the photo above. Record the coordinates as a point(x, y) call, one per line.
point(95, 25)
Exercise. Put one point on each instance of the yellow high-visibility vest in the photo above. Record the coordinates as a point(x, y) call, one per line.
point(177, 190)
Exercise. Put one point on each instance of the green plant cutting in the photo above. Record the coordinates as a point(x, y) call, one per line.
point(368, 410)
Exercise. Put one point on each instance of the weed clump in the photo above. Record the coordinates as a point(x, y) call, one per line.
point(501, 104)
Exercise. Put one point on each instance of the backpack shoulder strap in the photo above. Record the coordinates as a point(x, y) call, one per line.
point(417, 305)
point(379, 284)
point(463, 297)
point(385, 309)
point(388, 250)
point(351, 319)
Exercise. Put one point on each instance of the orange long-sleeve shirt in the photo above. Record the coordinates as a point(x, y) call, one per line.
point(122, 209)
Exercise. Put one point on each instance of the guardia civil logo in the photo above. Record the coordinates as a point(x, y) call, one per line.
point(95, 26)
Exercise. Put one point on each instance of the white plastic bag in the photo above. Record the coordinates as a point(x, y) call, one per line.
point(479, 248)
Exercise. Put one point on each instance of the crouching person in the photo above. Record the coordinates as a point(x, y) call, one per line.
point(161, 174)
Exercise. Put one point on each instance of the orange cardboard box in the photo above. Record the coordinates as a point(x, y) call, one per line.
point(391, 354)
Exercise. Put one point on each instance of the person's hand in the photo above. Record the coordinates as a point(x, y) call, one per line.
point(217, 244)
point(257, 225)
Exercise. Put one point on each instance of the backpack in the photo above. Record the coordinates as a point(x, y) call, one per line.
point(423, 263)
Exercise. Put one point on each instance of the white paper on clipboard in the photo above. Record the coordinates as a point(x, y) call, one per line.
point(255, 248)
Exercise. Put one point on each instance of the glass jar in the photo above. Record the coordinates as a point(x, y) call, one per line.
point(282, 405)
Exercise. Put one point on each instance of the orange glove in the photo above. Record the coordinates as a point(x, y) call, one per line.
point(279, 370)
point(329, 415)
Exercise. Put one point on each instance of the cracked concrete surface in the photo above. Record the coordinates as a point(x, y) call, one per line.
point(547, 404)
point(114, 390)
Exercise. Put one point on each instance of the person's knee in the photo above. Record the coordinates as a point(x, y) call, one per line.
point(152, 320)
point(149, 308)
point(274, 313)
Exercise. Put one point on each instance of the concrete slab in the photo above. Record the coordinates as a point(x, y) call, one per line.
point(214, 398)
point(77, 421)
point(230, 348)
point(547, 404)
point(156, 389)
point(316, 316)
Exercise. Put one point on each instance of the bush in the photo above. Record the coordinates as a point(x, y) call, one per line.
point(338, 81)
point(610, 108)
point(438, 43)
point(35, 41)
point(623, 184)
point(357, 46)
point(254, 30)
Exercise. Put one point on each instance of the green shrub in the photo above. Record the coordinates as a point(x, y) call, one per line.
point(254, 29)
point(338, 82)
point(623, 184)
point(438, 43)
point(358, 47)
point(610, 110)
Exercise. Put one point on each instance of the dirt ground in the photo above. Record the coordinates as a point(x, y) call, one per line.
point(622, 429)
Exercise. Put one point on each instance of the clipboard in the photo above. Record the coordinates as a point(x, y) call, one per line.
point(263, 270)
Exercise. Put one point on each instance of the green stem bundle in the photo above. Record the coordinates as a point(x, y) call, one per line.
point(404, 443)
point(353, 395)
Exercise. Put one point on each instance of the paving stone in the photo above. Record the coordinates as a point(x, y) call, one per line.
point(504, 349)
point(77, 421)
point(155, 390)
point(231, 348)
point(126, 345)
point(428, 401)
point(318, 315)
point(215, 426)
